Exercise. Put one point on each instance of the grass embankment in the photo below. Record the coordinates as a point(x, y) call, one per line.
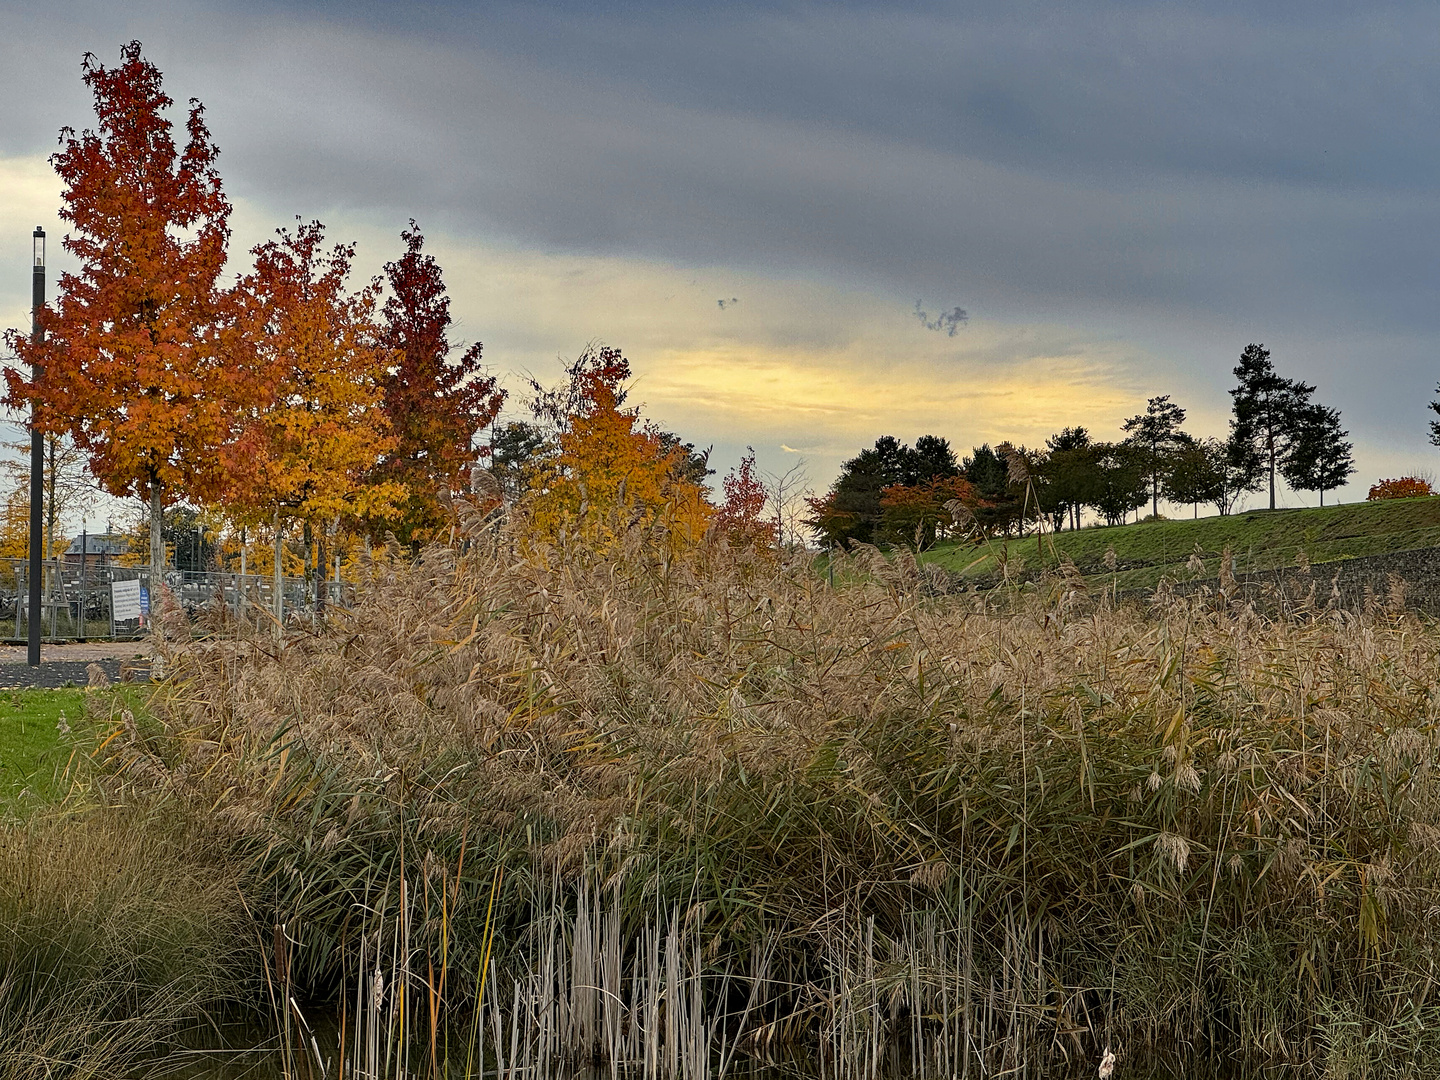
point(659, 807)
point(38, 739)
point(1257, 539)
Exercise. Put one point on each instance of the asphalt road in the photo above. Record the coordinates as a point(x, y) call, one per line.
point(55, 673)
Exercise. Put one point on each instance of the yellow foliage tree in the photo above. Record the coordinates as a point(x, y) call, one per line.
point(609, 471)
point(15, 525)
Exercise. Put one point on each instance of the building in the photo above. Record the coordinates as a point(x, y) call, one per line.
point(98, 550)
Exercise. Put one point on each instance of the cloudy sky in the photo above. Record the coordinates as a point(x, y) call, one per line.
point(1121, 195)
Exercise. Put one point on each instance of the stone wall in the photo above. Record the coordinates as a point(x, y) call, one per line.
point(1408, 578)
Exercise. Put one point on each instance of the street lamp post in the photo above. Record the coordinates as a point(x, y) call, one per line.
point(37, 459)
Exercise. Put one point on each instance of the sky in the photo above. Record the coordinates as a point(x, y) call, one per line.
point(1121, 196)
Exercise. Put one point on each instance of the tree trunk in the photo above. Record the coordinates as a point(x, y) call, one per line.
point(50, 513)
point(307, 575)
point(278, 582)
point(1270, 445)
point(157, 544)
point(320, 586)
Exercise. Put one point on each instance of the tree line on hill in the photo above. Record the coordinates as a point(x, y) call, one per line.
point(893, 493)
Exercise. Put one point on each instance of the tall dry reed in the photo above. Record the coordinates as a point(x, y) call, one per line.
point(120, 930)
point(873, 823)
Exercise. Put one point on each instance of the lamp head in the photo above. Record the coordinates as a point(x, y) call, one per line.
point(39, 248)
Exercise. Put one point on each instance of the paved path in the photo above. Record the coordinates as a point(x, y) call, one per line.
point(53, 673)
point(62, 665)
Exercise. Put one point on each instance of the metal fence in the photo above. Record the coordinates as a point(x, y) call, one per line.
point(79, 605)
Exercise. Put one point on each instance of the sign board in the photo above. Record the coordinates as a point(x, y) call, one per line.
point(125, 599)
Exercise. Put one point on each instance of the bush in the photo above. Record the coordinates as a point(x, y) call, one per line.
point(1405, 487)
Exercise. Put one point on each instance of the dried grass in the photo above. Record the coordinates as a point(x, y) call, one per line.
point(1012, 826)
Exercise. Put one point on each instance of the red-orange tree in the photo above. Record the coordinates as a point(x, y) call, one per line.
point(131, 363)
point(309, 444)
point(918, 514)
point(1405, 487)
point(435, 405)
point(741, 517)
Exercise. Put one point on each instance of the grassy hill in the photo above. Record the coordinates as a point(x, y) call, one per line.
point(1258, 539)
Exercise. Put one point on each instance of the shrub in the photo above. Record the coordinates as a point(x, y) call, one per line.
point(1405, 487)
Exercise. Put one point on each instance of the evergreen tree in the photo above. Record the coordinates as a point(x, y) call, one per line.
point(853, 510)
point(932, 459)
point(1156, 434)
point(1320, 454)
point(515, 449)
point(1194, 474)
point(1068, 476)
point(991, 479)
point(1435, 424)
point(1240, 468)
point(1121, 481)
point(1268, 411)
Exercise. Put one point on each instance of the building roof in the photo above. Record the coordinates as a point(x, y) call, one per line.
point(100, 544)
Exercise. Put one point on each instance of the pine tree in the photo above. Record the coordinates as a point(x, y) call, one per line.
point(1320, 453)
point(1268, 411)
point(1156, 434)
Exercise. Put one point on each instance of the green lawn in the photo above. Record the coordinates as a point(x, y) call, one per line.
point(34, 751)
point(1258, 539)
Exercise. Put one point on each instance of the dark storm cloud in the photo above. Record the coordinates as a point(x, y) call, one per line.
point(1199, 175)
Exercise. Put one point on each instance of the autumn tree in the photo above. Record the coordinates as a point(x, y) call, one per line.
point(741, 517)
point(1404, 487)
point(131, 363)
point(436, 404)
point(65, 485)
point(916, 515)
point(309, 444)
point(852, 510)
point(610, 471)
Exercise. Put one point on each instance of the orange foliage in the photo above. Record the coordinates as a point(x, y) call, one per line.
point(132, 367)
point(611, 472)
point(1405, 487)
point(308, 444)
point(918, 513)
